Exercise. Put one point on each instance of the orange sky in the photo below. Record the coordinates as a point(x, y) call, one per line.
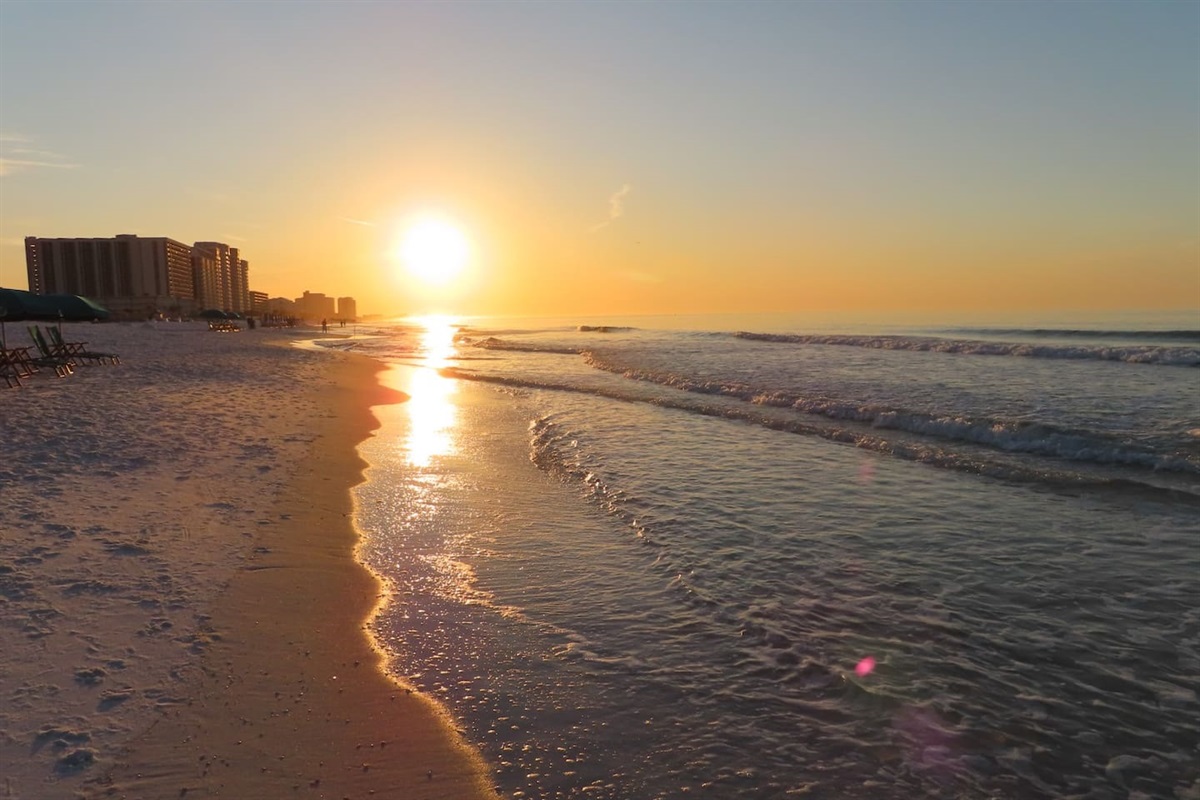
point(607, 158)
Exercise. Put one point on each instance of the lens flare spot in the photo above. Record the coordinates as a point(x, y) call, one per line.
point(865, 667)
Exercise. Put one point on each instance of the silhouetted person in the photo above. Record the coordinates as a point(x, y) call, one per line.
point(324, 326)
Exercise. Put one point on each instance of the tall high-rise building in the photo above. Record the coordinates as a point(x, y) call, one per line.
point(207, 279)
point(231, 277)
point(239, 288)
point(129, 274)
point(347, 309)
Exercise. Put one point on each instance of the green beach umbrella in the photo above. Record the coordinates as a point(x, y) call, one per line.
point(74, 308)
point(20, 306)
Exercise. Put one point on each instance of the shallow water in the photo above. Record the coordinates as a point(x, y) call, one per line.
point(639, 563)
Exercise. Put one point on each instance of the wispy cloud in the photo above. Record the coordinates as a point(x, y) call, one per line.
point(616, 207)
point(353, 221)
point(17, 155)
point(8, 166)
point(30, 152)
point(231, 238)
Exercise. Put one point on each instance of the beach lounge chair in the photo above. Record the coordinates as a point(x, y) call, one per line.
point(9, 370)
point(76, 349)
point(62, 365)
point(18, 362)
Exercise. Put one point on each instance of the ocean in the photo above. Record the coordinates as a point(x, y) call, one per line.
point(777, 557)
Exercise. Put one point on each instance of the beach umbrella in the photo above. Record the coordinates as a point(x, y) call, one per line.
point(17, 305)
point(12, 309)
point(74, 308)
point(20, 306)
point(10, 302)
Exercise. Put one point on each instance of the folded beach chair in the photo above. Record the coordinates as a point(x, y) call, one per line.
point(63, 365)
point(76, 349)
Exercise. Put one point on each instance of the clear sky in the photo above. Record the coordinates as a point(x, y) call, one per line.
point(654, 157)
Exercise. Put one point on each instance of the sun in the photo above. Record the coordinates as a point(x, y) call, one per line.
point(434, 250)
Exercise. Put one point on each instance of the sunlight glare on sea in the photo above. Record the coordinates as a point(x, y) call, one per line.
point(431, 408)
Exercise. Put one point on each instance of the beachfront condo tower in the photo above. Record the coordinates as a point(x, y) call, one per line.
point(130, 275)
point(230, 278)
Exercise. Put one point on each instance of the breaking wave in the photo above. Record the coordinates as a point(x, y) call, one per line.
point(861, 431)
point(492, 343)
point(1159, 355)
point(1014, 437)
point(1182, 335)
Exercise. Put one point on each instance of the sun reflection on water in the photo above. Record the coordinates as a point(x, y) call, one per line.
point(431, 409)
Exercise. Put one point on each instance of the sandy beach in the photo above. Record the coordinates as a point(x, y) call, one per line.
point(181, 614)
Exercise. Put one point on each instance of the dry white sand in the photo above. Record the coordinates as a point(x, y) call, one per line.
point(139, 500)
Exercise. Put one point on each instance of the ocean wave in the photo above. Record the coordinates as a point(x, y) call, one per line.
point(493, 343)
point(1182, 335)
point(605, 329)
point(1158, 355)
point(1010, 436)
point(867, 436)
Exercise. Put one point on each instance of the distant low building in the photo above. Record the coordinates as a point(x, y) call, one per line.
point(258, 303)
point(132, 276)
point(316, 306)
point(281, 307)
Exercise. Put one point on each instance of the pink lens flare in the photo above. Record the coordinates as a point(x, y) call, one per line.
point(865, 667)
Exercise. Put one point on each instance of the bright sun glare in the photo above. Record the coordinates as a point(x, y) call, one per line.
point(434, 250)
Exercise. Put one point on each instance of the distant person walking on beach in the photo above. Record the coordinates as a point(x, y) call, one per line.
point(324, 326)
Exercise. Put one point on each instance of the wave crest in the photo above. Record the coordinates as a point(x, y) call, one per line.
point(1132, 354)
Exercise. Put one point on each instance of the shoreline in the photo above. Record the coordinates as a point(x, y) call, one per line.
point(293, 695)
